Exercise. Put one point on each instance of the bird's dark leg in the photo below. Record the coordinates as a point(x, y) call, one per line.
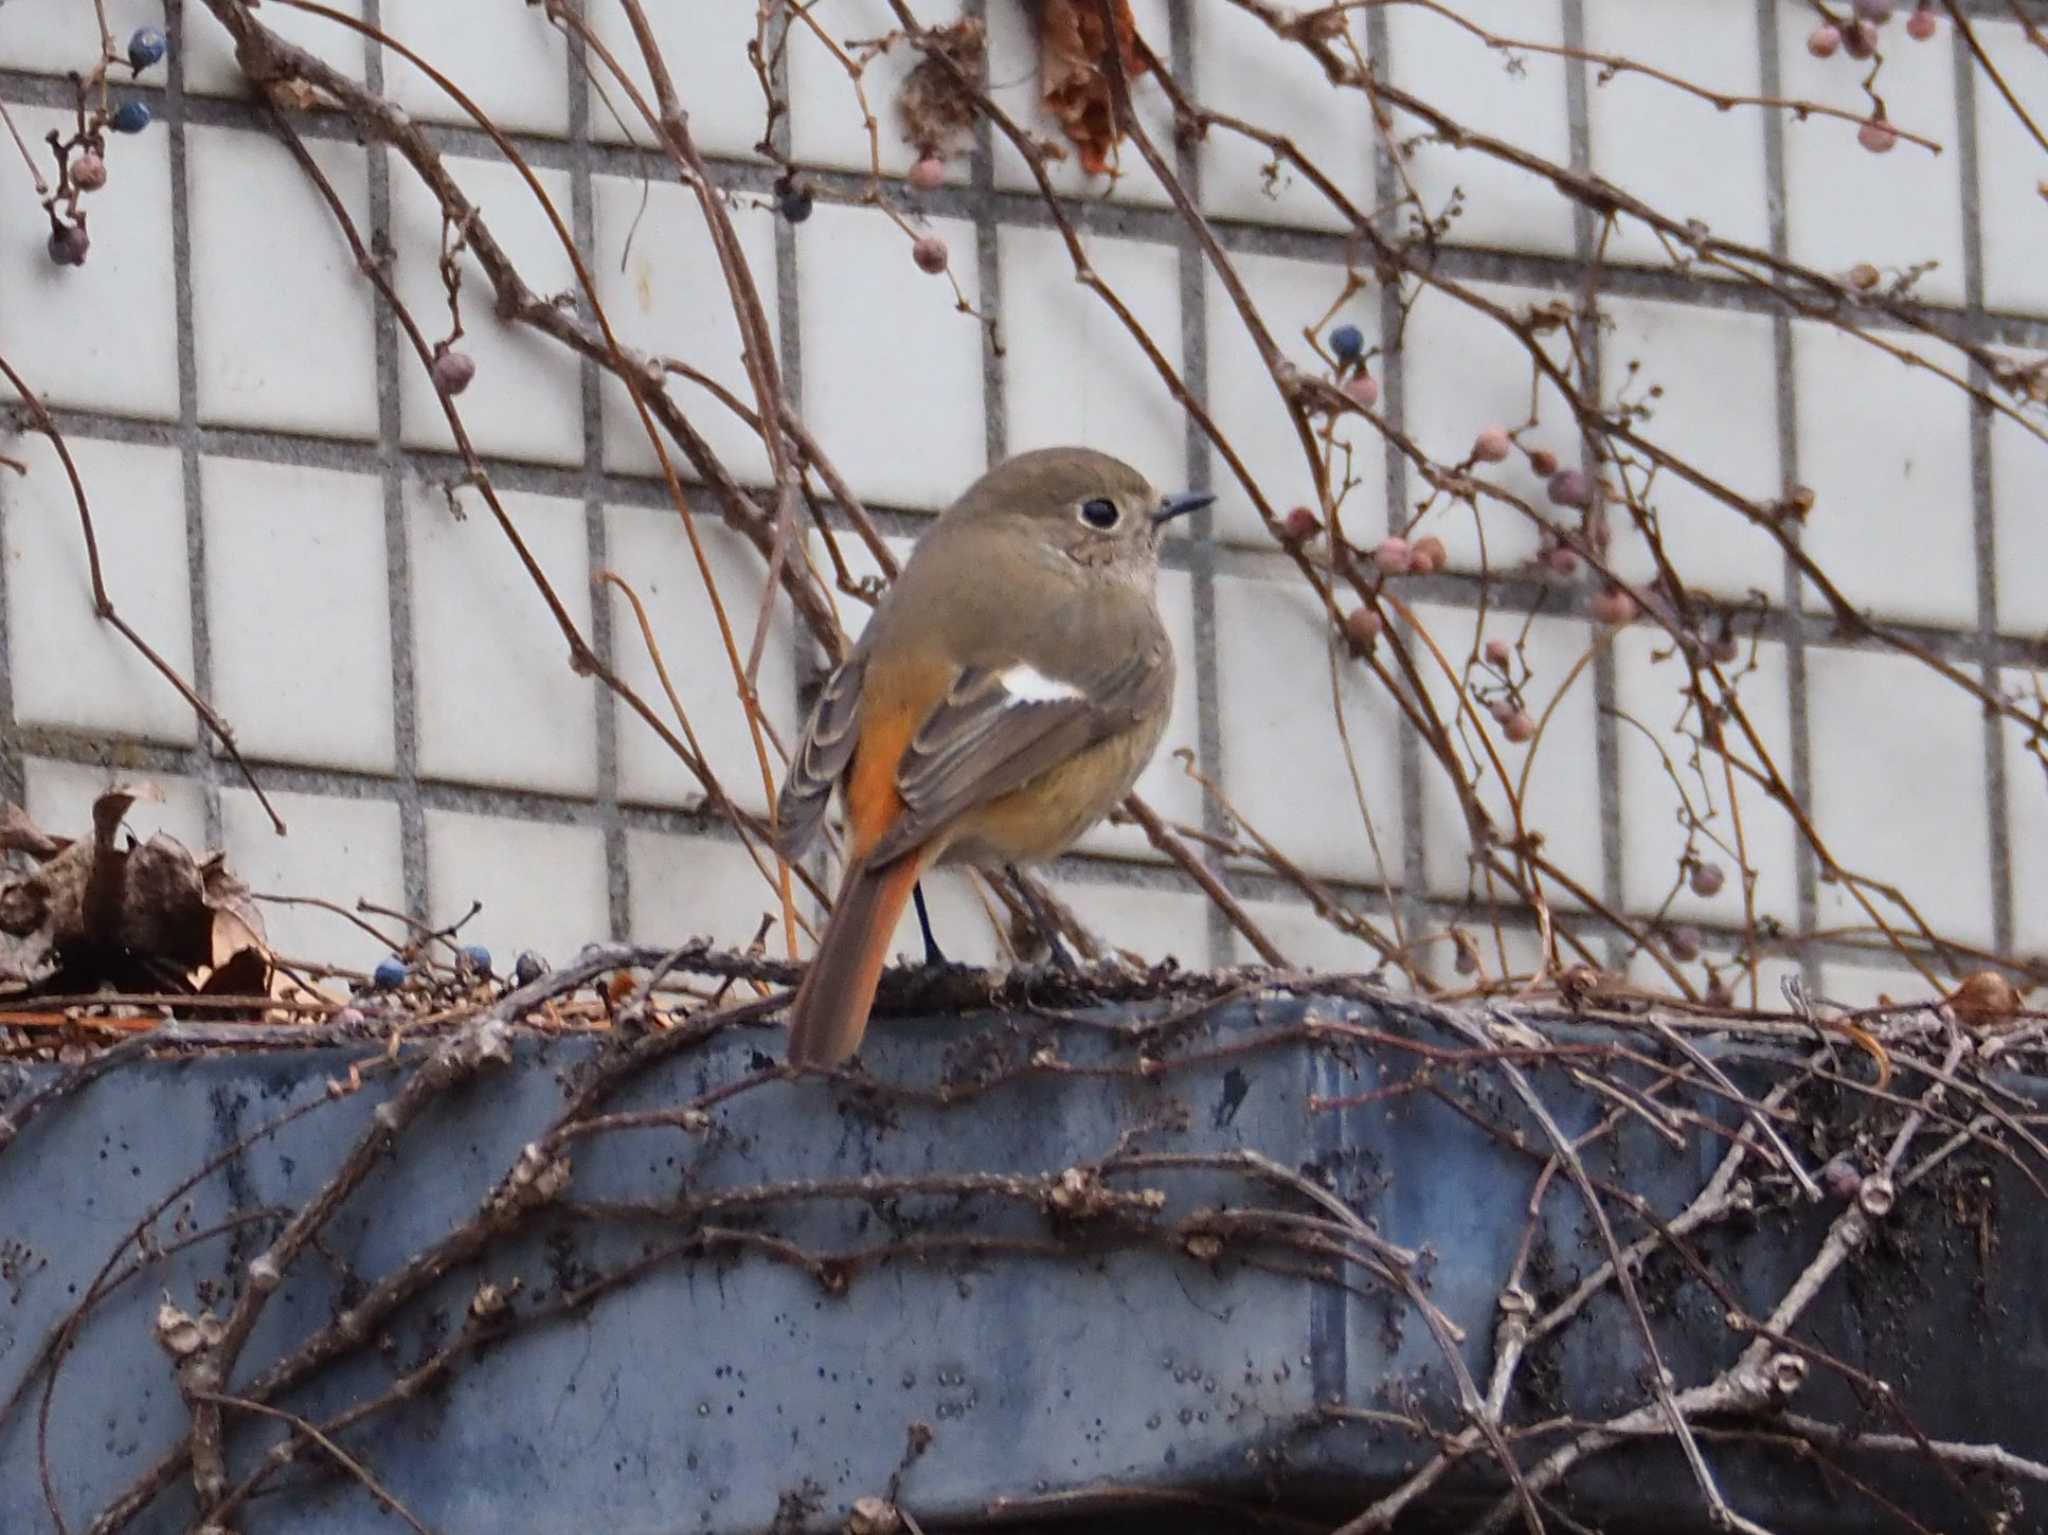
point(932, 956)
point(1048, 929)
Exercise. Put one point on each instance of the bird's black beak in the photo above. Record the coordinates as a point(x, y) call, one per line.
point(1180, 505)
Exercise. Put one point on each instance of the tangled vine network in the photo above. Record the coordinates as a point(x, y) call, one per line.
point(1684, 1039)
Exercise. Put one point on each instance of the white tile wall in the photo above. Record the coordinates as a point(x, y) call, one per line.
point(1844, 204)
point(510, 63)
point(1513, 95)
point(338, 850)
point(1307, 940)
point(270, 267)
point(1898, 787)
point(127, 361)
point(895, 382)
point(1282, 756)
point(300, 566)
point(648, 547)
point(498, 703)
point(543, 886)
point(1640, 127)
point(1072, 372)
point(1465, 373)
point(70, 669)
point(665, 295)
point(909, 430)
point(1242, 70)
point(1662, 771)
point(1291, 297)
point(2019, 505)
point(705, 48)
point(2011, 209)
point(524, 401)
point(1886, 451)
point(1561, 800)
point(1718, 411)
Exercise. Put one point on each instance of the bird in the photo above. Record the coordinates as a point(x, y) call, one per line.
point(1009, 688)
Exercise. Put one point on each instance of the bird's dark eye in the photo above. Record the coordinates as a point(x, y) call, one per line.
point(1100, 513)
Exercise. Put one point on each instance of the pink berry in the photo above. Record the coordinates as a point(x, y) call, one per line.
point(929, 253)
point(1428, 556)
point(1876, 12)
point(1300, 525)
point(1570, 487)
point(1362, 628)
point(453, 370)
point(1877, 137)
point(1707, 879)
point(1684, 943)
point(1613, 606)
point(1519, 728)
point(1543, 462)
point(929, 174)
point(1393, 556)
point(88, 172)
point(1363, 388)
point(1503, 709)
point(1492, 445)
point(1562, 561)
point(1823, 40)
point(1499, 653)
point(1860, 40)
point(1921, 25)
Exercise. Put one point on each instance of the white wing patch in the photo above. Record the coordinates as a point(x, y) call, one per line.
point(1027, 684)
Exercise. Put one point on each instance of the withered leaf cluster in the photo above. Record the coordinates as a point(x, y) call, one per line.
point(107, 909)
point(1074, 79)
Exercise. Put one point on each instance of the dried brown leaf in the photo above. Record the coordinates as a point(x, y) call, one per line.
point(937, 108)
point(1073, 80)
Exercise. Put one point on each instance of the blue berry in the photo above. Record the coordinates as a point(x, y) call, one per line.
point(146, 47)
point(528, 968)
point(478, 958)
point(130, 117)
point(1348, 342)
point(795, 204)
point(390, 974)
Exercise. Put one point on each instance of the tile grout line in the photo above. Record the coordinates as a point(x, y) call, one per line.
point(1193, 273)
point(1606, 729)
point(1805, 868)
point(988, 259)
point(211, 757)
point(1410, 766)
point(391, 460)
point(596, 539)
point(1996, 804)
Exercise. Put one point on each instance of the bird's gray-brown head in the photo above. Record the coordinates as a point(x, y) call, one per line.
point(1095, 509)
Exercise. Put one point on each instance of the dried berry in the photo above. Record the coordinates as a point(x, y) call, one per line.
point(1876, 12)
point(929, 174)
point(88, 172)
point(1863, 277)
point(1492, 445)
point(1362, 627)
point(1921, 25)
point(453, 370)
point(794, 202)
point(1562, 561)
point(1393, 556)
point(130, 117)
point(1707, 879)
point(1300, 525)
point(528, 968)
point(1684, 943)
point(1860, 40)
point(1347, 343)
point(1613, 606)
point(68, 244)
point(146, 46)
point(1823, 40)
point(929, 253)
point(1570, 487)
point(1427, 556)
point(1543, 462)
point(1363, 388)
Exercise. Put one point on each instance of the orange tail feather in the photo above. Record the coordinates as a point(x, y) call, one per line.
point(830, 1013)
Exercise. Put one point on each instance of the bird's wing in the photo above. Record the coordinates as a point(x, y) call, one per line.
point(821, 757)
point(999, 727)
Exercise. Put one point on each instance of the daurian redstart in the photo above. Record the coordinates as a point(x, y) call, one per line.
point(1010, 687)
